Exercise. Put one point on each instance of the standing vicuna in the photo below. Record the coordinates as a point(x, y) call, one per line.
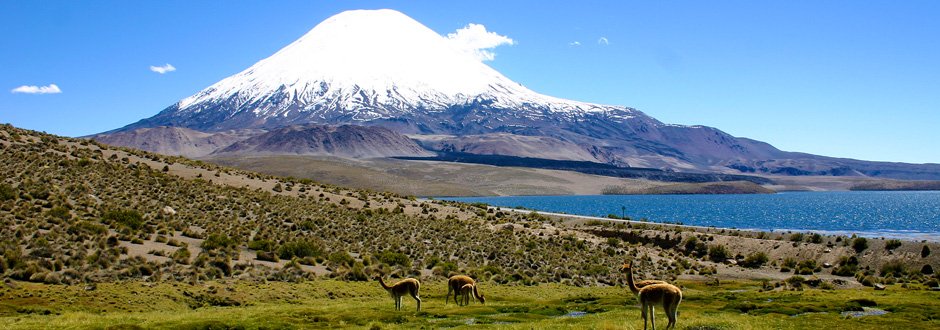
point(456, 283)
point(465, 291)
point(665, 294)
point(407, 286)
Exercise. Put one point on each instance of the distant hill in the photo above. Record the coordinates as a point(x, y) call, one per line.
point(342, 141)
point(709, 188)
point(591, 168)
point(175, 141)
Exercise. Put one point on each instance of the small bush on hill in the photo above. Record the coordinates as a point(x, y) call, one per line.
point(796, 237)
point(341, 258)
point(755, 260)
point(926, 270)
point(261, 245)
point(219, 241)
point(394, 258)
point(816, 238)
point(127, 218)
point(860, 244)
point(894, 268)
point(892, 244)
point(7, 192)
point(848, 266)
point(301, 249)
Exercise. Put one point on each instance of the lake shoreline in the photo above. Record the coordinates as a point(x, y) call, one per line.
point(903, 215)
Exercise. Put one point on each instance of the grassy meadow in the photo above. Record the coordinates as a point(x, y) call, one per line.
point(327, 304)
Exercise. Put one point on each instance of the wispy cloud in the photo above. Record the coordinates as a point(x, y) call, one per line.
point(163, 69)
point(603, 41)
point(476, 40)
point(51, 89)
point(574, 43)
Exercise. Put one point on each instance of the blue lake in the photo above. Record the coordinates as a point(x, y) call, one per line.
point(907, 214)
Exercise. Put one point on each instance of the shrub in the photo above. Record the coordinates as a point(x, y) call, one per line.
point(847, 267)
point(788, 264)
point(267, 256)
point(87, 227)
point(925, 251)
point(859, 244)
point(6, 192)
point(341, 258)
point(301, 249)
point(695, 247)
point(755, 260)
point(932, 283)
point(59, 212)
point(445, 268)
point(926, 270)
point(869, 281)
point(127, 218)
point(261, 245)
point(894, 268)
point(218, 241)
point(816, 238)
point(892, 244)
point(796, 281)
point(394, 258)
point(807, 267)
point(796, 237)
point(718, 253)
point(181, 256)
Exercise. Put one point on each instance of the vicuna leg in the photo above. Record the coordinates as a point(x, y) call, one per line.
point(653, 316)
point(449, 289)
point(418, 300)
point(670, 313)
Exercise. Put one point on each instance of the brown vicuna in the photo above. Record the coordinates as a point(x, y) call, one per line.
point(665, 294)
point(407, 286)
point(465, 294)
point(456, 283)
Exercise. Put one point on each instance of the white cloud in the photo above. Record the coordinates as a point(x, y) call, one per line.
point(163, 69)
point(574, 43)
point(51, 89)
point(603, 41)
point(479, 42)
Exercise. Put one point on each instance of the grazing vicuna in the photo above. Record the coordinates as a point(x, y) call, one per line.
point(465, 294)
point(407, 286)
point(456, 283)
point(665, 294)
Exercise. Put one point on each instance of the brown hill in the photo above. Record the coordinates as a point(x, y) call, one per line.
point(343, 141)
point(175, 141)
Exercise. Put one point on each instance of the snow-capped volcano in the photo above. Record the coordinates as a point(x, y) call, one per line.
point(382, 68)
point(364, 65)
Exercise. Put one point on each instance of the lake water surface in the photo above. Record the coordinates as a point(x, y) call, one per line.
point(907, 214)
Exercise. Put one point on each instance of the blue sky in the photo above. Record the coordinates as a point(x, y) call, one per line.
point(837, 78)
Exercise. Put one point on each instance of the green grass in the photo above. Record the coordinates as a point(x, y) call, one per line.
point(327, 304)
